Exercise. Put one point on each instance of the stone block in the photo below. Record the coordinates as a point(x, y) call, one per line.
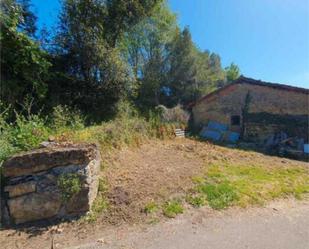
point(47, 158)
point(34, 189)
point(20, 189)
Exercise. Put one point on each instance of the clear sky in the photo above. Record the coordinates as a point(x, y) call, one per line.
point(267, 39)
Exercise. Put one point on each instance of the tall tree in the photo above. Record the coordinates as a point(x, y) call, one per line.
point(209, 72)
point(87, 45)
point(27, 18)
point(93, 74)
point(24, 66)
point(145, 46)
point(232, 72)
point(123, 14)
point(182, 71)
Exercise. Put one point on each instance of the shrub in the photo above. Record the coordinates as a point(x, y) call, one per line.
point(173, 115)
point(28, 132)
point(69, 184)
point(150, 207)
point(65, 117)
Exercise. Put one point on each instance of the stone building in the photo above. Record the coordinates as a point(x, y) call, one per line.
point(256, 109)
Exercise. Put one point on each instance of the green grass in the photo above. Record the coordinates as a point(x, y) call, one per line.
point(196, 200)
point(226, 184)
point(150, 207)
point(172, 208)
point(220, 195)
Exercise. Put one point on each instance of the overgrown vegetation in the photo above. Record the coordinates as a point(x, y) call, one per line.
point(228, 184)
point(101, 52)
point(28, 130)
point(100, 55)
point(100, 203)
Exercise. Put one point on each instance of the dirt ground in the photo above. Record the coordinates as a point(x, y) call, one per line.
point(156, 171)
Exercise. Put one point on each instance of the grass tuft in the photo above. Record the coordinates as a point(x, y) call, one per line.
point(150, 207)
point(196, 201)
point(172, 208)
point(220, 195)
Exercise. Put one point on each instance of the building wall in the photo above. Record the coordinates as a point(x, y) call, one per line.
point(231, 100)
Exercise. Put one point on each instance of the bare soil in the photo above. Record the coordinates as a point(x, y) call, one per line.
point(155, 171)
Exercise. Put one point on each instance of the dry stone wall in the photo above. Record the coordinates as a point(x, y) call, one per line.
point(53, 182)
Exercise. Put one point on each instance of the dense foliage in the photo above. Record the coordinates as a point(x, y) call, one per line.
point(101, 54)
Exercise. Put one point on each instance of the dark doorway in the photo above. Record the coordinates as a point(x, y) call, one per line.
point(235, 120)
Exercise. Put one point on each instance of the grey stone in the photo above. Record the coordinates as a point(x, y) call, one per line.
point(35, 206)
point(36, 195)
point(20, 189)
point(47, 158)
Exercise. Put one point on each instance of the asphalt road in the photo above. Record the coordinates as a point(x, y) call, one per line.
point(279, 226)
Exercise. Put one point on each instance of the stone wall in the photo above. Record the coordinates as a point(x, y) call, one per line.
point(53, 182)
point(231, 100)
point(258, 126)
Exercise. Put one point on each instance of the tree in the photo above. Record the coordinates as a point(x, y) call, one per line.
point(24, 66)
point(28, 18)
point(99, 72)
point(209, 72)
point(124, 14)
point(145, 47)
point(182, 68)
point(232, 72)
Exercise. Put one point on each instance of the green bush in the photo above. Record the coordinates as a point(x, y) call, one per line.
point(64, 117)
point(69, 185)
point(28, 132)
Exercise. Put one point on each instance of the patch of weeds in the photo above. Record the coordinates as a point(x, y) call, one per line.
point(196, 201)
point(102, 186)
point(220, 195)
point(226, 183)
point(172, 208)
point(69, 185)
point(99, 205)
point(150, 208)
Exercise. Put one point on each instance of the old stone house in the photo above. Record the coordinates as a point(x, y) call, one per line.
point(256, 109)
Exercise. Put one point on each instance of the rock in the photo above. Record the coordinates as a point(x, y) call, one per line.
point(35, 206)
point(33, 187)
point(20, 189)
point(47, 158)
point(47, 144)
point(51, 139)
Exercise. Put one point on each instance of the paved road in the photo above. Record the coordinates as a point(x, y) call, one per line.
point(278, 226)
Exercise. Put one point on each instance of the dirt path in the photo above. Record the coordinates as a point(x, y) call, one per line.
point(280, 225)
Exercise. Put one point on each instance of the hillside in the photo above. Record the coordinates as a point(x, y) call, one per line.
point(149, 182)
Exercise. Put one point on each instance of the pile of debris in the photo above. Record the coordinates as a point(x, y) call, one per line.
point(280, 143)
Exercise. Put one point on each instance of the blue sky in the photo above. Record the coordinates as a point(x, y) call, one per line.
point(267, 39)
